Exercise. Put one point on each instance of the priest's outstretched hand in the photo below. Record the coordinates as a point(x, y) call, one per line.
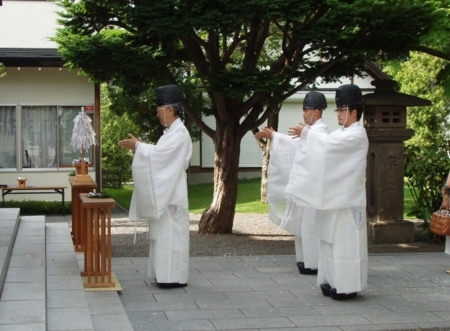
point(265, 133)
point(296, 131)
point(129, 143)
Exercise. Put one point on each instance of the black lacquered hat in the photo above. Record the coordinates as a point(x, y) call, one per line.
point(314, 100)
point(168, 94)
point(348, 95)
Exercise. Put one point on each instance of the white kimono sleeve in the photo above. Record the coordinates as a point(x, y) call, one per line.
point(327, 180)
point(282, 154)
point(159, 175)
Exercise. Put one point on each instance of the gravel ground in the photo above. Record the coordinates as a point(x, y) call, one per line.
point(252, 234)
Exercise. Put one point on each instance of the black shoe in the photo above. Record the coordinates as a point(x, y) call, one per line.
point(325, 289)
point(170, 285)
point(341, 296)
point(305, 271)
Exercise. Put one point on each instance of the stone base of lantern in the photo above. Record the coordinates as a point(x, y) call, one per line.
point(401, 232)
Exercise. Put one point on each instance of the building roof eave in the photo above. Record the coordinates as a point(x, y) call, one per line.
point(30, 57)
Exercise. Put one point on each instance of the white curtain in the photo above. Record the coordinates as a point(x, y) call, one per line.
point(39, 136)
point(7, 137)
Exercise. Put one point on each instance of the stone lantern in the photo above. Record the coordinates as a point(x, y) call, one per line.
point(385, 123)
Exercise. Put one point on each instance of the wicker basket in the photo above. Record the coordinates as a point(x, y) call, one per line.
point(440, 222)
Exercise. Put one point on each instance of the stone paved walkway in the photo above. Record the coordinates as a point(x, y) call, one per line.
point(43, 291)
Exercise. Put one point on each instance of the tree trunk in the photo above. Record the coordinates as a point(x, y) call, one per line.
point(219, 216)
point(272, 122)
point(264, 168)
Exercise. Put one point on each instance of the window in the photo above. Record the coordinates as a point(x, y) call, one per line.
point(39, 136)
point(45, 136)
point(7, 137)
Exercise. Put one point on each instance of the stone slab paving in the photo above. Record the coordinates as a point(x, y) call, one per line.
point(43, 289)
point(23, 303)
point(405, 292)
point(9, 226)
point(69, 306)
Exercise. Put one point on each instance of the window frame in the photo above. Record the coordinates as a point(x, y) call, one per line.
point(19, 159)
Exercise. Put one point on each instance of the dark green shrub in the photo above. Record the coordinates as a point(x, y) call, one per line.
point(426, 169)
point(32, 207)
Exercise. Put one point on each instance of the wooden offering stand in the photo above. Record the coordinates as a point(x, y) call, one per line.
point(78, 217)
point(82, 172)
point(97, 252)
point(22, 182)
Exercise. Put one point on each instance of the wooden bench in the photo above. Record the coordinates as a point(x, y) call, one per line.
point(35, 190)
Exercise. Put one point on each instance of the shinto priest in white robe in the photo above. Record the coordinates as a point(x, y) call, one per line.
point(335, 180)
point(284, 153)
point(160, 196)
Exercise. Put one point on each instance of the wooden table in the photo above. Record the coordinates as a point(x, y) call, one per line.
point(78, 224)
point(35, 190)
point(97, 253)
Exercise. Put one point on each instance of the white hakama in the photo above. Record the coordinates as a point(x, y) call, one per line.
point(306, 242)
point(171, 249)
point(343, 262)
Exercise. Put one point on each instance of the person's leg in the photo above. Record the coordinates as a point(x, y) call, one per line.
point(300, 247)
point(349, 256)
point(171, 251)
point(310, 244)
point(324, 274)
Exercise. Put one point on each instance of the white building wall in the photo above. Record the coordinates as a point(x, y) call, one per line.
point(195, 158)
point(31, 24)
point(45, 86)
point(48, 86)
point(27, 24)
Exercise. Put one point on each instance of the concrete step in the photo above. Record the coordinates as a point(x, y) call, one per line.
point(68, 302)
point(41, 281)
point(67, 305)
point(9, 225)
point(23, 300)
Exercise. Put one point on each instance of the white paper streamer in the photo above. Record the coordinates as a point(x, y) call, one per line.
point(83, 135)
point(443, 212)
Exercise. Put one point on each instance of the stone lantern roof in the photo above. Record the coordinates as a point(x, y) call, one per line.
point(386, 94)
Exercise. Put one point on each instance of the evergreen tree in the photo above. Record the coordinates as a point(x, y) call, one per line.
point(245, 57)
point(426, 153)
point(113, 129)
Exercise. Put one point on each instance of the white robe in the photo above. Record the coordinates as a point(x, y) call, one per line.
point(160, 196)
point(335, 178)
point(284, 154)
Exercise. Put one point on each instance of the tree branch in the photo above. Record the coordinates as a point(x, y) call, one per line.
point(431, 51)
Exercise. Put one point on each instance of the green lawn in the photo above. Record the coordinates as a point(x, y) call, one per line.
point(248, 200)
point(408, 203)
point(200, 197)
